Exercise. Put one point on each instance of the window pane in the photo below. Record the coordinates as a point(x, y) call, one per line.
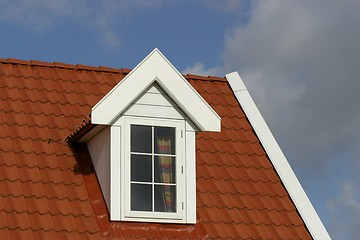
point(141, 139)
point(164, 169)
point(165, 198)
point(141, 197)
point(164, 140)
point(141, 168)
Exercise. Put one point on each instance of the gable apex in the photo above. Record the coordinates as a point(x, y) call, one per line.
point(156, 68)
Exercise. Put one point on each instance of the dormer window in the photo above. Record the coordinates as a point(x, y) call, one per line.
point(154, 172)
point(143, 145)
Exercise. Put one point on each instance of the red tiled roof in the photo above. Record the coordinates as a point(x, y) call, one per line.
point(49, 191)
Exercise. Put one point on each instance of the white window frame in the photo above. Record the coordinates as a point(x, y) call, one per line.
point(127, 214)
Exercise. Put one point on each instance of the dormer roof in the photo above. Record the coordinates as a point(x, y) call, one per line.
point(155, 68)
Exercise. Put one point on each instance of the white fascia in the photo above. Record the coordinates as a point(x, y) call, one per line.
point(156, 68)
point(278, 159)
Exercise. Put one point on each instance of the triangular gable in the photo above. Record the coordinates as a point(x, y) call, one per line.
point(156, 68)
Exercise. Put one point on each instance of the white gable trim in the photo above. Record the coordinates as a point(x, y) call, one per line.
point(156, 68)
point(278, 159)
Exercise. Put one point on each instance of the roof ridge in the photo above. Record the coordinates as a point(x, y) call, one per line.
point(52, 78)
point(63, 65)
point(190, 76)
point(100, 68)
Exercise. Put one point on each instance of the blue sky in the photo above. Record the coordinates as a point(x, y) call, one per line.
point(299, 60)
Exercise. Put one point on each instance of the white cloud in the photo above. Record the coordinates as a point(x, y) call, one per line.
point(344, 211)
point(300, 60)
point(200, 69)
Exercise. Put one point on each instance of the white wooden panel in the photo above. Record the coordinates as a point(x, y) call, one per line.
point(278, 159)
point(190, 168)
point(156, 99)
point(155, 88)
point(115, 194)
point(155, 104)
point(99, 148)
point(154, 112)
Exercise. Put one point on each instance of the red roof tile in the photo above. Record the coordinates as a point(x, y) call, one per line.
point(47, 194)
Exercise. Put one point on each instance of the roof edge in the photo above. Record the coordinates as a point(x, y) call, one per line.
point(80, 130)
point(63, 65)
point(277, 158)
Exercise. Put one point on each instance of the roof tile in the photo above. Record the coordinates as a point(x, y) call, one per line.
point(48, 193)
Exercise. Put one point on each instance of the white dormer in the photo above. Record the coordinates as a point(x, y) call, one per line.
point(144, 155)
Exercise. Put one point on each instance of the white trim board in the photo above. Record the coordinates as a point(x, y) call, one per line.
point(278, 159)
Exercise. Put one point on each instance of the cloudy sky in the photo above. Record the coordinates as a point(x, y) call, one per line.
point(299, 59)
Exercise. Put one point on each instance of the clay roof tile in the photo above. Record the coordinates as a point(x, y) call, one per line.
point(49, 189)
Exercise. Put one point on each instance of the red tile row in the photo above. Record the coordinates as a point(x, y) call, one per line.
point(221, 186)
point(235, 159)
point(47, 222)
point(30, 234)
point(39, 190)
point(43, 206)
point(43, 175)
point(240, 201)
point(33, 160)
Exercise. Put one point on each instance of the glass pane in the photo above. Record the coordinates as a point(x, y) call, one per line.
point(165, 198)
point(141, 197)
point(140, 139)
point(164, 140)
point(141, 169)
point(164, 169)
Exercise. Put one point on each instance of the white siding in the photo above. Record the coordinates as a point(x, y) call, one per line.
point(154, 103)
point(99, 148)
point(190, 171)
